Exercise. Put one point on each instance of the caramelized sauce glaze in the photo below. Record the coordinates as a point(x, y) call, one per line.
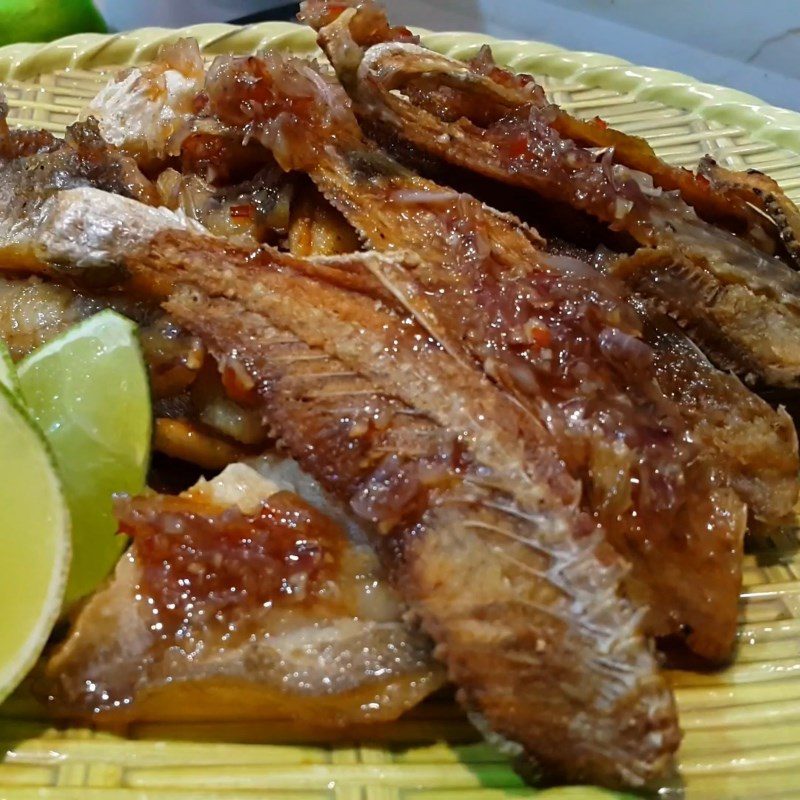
point(205, 565)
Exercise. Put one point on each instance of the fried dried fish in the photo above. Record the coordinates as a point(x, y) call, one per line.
point(548, 330)
point(761, 192)
point(29, 185)
point(516, 643)
point(758, 445)
point(778, 438)
point(481, 118)
point(430, 391)
point(457, 476)
point(242, 593)
point(45, 227)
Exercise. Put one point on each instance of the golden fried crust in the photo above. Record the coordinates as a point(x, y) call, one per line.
point(762, 192)
point(738, 328)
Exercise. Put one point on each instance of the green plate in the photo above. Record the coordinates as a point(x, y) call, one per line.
point(742, 725)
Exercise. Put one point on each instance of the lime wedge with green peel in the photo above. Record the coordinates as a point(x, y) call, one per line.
point(34, 543)
point(44, 20)
point(89, 392)
point(8, 373)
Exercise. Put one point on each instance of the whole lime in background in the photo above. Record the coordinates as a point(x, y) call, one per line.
point(43, 20)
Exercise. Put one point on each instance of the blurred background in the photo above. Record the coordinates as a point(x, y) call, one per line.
point(751, 45)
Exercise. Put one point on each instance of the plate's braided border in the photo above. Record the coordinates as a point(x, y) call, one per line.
point(777, 126)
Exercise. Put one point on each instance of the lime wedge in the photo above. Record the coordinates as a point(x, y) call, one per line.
point(8, 373)
point(88, 390)
point(34, 543)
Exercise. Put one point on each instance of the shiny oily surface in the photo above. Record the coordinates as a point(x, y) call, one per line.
point(200, 561)
point(243, 594)
point(742, 726)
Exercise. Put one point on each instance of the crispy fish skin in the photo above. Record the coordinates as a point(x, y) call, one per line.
point(55, 233)
point(30, 183)
point(287, 616)
point(502, 130)
point(547, 651)
point(740, 330)
point(533, 323)
point(762, 192)
point(758, 443)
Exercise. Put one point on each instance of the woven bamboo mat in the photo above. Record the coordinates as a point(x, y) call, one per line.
point(742, 725)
